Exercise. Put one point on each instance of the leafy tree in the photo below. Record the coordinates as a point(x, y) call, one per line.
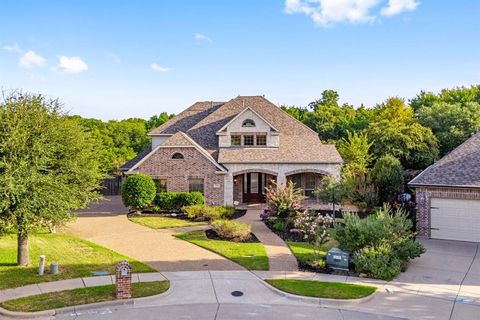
point(332, 191)
point(394, 131)
point(49, 166)
point(138, 191)
point(355, 151)
point(451, 123)
point(387, 175)
point(157, 120)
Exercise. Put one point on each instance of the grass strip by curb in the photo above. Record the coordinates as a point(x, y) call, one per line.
point(165, 222)
point(77, 258)
point(320, 289)
point(251, 255)
point(75, 297)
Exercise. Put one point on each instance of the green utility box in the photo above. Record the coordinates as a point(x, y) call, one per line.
point(338, 259)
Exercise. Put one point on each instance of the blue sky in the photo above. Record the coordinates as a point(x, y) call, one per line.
point(118, 59)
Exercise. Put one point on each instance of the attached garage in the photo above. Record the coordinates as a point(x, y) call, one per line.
point(455, 219)
point(448, 195)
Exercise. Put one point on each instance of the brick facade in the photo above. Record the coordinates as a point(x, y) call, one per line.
point(177, 172)
point(424, 196)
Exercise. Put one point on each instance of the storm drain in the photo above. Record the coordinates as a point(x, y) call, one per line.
point(237, 293)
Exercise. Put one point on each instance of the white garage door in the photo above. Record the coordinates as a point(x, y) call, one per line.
point(454, 219)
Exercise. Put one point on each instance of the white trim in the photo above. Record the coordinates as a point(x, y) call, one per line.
point(194, 145)
point(240, 113)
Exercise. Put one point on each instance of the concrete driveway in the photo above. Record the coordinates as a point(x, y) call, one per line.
point(442, 284)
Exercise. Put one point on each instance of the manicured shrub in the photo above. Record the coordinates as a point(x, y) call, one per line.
point(313, 226)
point(382, 233)
point(173, 201)
point(380, 262)
point(208, 213)
point(232, 230)
point(138, 191)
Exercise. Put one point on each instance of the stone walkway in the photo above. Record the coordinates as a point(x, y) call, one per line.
point(280, 257)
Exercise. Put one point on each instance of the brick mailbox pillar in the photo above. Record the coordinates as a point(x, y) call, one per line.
point(123, 280)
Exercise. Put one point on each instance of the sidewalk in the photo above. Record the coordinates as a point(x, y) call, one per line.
point(215, 287)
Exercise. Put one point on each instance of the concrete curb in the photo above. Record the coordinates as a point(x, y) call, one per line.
point(324, 302)
point(26, 315)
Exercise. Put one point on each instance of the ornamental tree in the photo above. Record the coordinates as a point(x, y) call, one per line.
point(49, 166)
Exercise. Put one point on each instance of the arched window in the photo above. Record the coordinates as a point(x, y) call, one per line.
point(177, 155)
point(248, 123)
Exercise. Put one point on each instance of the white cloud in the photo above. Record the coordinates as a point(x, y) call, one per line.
point(30, 59)
point(202, 37)
point(329, 12)
point(72, 64)
point(155, 66)
point(398, 6)
point(13, 48)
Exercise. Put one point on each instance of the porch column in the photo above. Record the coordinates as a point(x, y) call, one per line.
point(228, 189)
point(281, 179)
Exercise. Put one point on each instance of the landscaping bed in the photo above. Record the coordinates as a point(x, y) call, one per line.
point(320, 289)
point(76, 257)
point(75, 297)
point(251, 255)
point(156, 221)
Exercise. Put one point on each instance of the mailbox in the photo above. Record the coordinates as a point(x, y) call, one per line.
point(338, 259)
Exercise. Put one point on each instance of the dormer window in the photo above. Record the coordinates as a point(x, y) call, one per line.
point(177, 156)
point(248, 123)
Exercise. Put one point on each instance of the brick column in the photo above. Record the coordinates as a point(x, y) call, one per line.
point(123, 280)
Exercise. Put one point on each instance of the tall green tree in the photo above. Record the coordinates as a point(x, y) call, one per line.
point(157, 120)
point(394, 131)
point(387, 175)
point(49, 165)
point(355, 151)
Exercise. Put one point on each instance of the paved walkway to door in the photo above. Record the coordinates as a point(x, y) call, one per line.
point(280, 257)
point(106, 223)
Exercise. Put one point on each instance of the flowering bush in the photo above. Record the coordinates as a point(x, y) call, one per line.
point(284, 200)
point(314, 227)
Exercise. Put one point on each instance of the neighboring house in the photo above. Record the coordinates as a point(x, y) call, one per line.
point(232, 150)
point(448, 195)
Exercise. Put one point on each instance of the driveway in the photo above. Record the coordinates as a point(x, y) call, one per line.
point(442, 284)
point(106, 223)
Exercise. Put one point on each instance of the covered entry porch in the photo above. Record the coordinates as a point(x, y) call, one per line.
point(249, 186)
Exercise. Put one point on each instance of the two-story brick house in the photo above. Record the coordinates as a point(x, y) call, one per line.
point(232, 150)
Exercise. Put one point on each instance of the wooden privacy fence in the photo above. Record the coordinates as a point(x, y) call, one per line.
point(111, 186)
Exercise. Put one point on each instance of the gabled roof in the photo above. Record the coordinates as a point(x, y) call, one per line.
point(201, 122)
point(179, 139)
point(242, 112)
point(459, 168)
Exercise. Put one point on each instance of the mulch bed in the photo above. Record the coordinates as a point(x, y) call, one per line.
point(179, 214)
point(212, 235)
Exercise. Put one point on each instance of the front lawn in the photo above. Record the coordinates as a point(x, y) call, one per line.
point(76, 257)
point(75, 297)
point(165, 222)
point(306, 255)
point(319, 289)
point(251, 255)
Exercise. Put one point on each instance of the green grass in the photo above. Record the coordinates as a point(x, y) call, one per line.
point(305, 253)
point(248, 254)
point(164, 222)
point(75, 297)
point(319, 289)
point(76, 257)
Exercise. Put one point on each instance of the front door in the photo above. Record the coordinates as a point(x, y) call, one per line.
point(253, 187)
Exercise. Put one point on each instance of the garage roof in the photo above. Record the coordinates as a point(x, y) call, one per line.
point(459, 168)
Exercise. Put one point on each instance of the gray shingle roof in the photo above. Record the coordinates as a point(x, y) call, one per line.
point(461, 167)
point(298, 143)
point(134, 161)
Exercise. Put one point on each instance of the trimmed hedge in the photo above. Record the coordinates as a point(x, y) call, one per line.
point(208, 213)
point(232, 230)
point(174, 201)
point(138, 191)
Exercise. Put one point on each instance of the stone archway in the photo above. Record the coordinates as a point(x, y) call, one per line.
point(249, 185)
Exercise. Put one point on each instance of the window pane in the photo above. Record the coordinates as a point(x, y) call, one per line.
point(195, 185)
point(297, 180)
point(310, 181)
point(236, 140)
point(161, 185)
point(253, 182)
point(248, 140)
point(261, 140)
point(177, 155)
point(248, 123)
